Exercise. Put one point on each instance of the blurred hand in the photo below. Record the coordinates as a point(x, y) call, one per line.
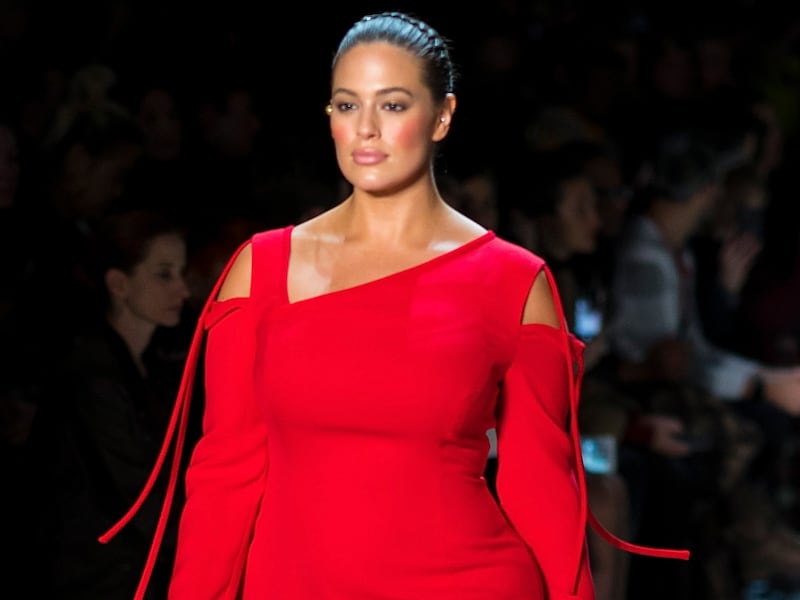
point(782, 388)
point(666, 435)
point(736, 259)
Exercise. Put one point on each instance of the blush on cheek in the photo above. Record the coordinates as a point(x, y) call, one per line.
point(409, 133)
point(339, 132)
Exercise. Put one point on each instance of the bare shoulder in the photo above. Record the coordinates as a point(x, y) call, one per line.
point(317, 229)
point(237, 281)
point(540, 306)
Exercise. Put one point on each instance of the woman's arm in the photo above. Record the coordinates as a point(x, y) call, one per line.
point(225, 478)
point(537, 480)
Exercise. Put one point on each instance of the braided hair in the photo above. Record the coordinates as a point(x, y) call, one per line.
point(412, 34)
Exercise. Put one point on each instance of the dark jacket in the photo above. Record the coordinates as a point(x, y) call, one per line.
point(96, 437)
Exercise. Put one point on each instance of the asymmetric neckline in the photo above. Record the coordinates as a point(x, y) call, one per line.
point(413, 269)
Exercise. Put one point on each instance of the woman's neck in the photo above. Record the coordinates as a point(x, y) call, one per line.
point(406, 219)
point(672, 224)
point(135, 332)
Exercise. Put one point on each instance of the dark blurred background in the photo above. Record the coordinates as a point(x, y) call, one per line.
point(515, 57)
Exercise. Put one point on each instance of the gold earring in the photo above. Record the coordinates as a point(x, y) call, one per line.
point(329, 109)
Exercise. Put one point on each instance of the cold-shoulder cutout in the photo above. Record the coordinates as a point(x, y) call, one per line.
point(218, 310)
point(237, 281)
point(540, 307)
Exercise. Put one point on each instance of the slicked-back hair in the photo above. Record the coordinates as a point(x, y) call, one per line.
point(412, 34)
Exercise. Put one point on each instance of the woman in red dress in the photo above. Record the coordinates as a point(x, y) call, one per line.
point(354, 364)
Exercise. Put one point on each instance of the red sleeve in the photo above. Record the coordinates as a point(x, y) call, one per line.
point(537, 478)
point(225, 477)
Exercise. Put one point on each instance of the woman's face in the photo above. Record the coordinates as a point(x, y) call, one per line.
point(612, 196)
point(160, 124)
point(155, 290)
point(577, 216)
point(383, 119)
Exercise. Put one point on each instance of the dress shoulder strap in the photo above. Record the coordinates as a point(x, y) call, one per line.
point(270, 264)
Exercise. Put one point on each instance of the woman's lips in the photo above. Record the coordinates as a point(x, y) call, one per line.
point(368, 156)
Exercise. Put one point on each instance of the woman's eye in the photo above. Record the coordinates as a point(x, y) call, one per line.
point(345, 106)
point(394, 107)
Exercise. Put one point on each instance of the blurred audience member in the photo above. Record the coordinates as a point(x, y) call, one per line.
point(725, 251)
point(99, 427)
point(86, 176)
point(657, 337)
point(162, 177)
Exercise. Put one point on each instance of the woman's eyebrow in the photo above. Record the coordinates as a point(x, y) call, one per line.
point(380, 92)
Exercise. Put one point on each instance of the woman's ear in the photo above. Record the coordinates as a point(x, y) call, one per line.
point(445, 118)
point(116, 283)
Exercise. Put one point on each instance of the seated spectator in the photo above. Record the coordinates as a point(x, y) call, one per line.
point(659, 345)
point(725, 251)
point(100, 424)
point(85, 177)
point(562, 206)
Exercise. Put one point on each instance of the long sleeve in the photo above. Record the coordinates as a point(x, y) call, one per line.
point(537, 481)
point(226, 474)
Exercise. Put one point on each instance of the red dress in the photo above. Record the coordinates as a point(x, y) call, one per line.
point(345, 440)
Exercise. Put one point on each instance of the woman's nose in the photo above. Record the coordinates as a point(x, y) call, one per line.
point(368, 124)
point(183, 289)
